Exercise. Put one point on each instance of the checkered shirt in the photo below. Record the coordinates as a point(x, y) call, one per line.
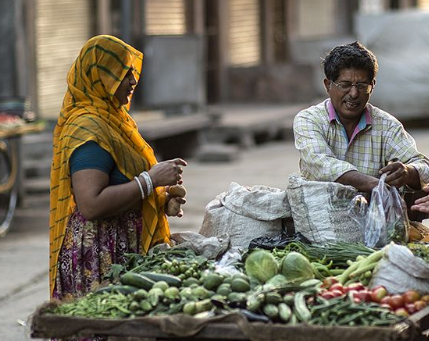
point(326, 152)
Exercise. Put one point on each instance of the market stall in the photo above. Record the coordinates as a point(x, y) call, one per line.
point(298, 292)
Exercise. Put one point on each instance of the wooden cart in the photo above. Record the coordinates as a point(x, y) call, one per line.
point(227, 327)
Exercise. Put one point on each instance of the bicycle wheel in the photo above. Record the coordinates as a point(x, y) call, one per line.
point(8, 186)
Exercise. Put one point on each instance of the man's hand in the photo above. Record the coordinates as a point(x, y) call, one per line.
point(422, 204)
point(399, 174)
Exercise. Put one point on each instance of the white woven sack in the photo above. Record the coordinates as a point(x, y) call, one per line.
point(399, 271)
point(320, 210)
point(245, 213)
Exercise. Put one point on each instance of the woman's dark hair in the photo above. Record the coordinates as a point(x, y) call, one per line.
point(353, 55)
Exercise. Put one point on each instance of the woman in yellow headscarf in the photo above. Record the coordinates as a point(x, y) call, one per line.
point(107, 189)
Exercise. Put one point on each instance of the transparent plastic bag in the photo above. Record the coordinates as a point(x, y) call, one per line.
point(385, 219)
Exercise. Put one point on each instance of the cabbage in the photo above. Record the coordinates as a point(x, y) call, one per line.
point(296, 267)
point(261, 265)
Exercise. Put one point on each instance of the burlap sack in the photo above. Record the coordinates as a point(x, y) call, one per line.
point(320, 210)
point(245, 213)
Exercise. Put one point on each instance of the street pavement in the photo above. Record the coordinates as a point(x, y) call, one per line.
point(24, 250)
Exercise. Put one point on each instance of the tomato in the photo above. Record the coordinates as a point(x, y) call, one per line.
point(352, 293)
point(337, 286)
point(411, 296)
point(402, 312)
point(363, 295)
point(329, 281)
point(385, 305)
point(411, 308)
point(396, 301)
point(336, 292)
point(327, 295)
point(357, 300)
point(420, 305)
point(378, 293)
point(386, 300)
point(354, 286)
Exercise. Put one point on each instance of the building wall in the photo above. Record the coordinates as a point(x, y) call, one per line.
point(8, 82)
point(61, 28)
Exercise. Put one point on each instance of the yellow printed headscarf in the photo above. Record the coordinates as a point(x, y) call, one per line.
point(91, 112)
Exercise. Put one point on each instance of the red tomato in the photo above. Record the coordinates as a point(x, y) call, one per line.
point(355, 286)
point(411, 308)
point(337, 286)
point(327, 295)
point(336, 292)
point(352, 293)
point(420, 305)
point(385, 305)
point(386, 300)
point(402, 312)
point(411, 296)
point(396, 301)
point(363, 295)
point(328, 281)
point(378, 293)
point(357, 300)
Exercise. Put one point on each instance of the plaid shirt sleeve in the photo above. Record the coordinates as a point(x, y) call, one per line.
point(402, 146)
point(317, 160)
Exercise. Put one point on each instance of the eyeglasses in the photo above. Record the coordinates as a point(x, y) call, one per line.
point(347, 86)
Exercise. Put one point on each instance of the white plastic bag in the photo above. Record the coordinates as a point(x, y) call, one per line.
point(385, 219)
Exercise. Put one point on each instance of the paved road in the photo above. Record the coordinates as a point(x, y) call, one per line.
point(24, 251)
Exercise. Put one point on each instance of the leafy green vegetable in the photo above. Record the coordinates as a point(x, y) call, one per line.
point(261, 265)
point(296, 267)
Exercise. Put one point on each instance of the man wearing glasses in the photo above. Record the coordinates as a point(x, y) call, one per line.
point(347, 140)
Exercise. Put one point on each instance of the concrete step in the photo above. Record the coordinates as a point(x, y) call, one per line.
point(248, 125)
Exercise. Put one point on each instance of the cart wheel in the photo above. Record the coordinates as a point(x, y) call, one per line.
point(8, 185)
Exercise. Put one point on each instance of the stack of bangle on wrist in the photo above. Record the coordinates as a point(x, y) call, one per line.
point(140, 186)
point(148, 181)
point(149, 185)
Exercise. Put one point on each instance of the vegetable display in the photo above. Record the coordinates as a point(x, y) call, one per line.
point(297, 284)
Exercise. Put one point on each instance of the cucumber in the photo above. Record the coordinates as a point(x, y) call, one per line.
point(137, 280)
point(285, 312)
point(271, 310)
point(300, 307)
point(123, 289)
point(156, 277)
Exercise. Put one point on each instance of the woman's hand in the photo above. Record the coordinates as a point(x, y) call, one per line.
point(167, 172)
point(422, 204)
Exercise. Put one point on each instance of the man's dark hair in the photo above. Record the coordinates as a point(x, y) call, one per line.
point(353, 55)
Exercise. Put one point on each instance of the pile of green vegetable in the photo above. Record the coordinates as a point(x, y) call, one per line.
point(283, 285)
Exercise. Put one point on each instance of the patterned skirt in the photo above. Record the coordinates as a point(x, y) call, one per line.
point(91, 247)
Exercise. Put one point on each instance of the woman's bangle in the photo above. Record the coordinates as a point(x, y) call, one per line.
point(140, 186)
point(148, 181)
